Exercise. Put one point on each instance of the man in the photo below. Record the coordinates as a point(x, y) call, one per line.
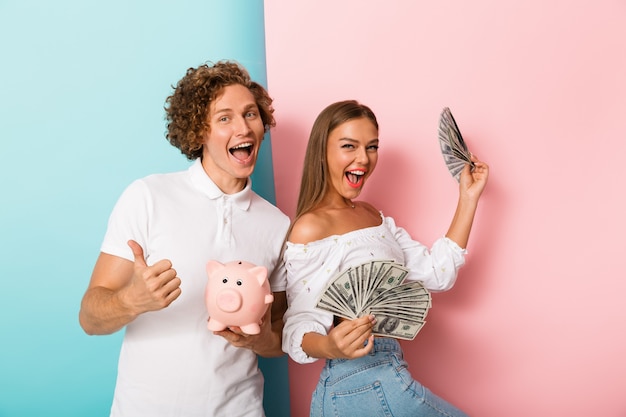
point(150, 275)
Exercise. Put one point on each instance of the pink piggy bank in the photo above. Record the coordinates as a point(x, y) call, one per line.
point(237, 294)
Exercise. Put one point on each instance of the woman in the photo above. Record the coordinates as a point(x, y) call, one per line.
point(332, 232)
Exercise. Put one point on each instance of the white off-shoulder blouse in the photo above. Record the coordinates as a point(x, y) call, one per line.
point(310, 266)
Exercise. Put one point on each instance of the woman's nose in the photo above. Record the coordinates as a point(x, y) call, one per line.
point(362, 156)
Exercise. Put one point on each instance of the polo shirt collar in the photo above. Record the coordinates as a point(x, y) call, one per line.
point(205, 184)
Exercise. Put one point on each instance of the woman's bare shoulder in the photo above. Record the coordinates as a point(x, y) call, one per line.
point(309, 227)
point(370, 208)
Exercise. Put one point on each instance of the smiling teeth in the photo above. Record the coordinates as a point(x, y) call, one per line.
point(354, 176)
point(242, 151)
point(241, 146)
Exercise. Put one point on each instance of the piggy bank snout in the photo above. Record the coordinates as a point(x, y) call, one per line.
point(229, 300)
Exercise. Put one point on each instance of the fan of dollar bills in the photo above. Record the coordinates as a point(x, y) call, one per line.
point(453, 147)
point(376, 287)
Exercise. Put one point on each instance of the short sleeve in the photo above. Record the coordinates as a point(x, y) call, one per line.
point(128, 220)
point(278, 278)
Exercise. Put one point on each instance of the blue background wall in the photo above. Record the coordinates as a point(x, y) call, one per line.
point(82, 88)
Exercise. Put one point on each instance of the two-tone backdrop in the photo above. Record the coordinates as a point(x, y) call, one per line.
point(534, 325)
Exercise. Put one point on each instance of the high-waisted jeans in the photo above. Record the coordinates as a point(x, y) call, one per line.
point(378, 384)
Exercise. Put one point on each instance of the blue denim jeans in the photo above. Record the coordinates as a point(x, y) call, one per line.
point(378, 384)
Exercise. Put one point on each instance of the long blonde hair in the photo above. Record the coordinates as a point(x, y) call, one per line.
point(314, 182)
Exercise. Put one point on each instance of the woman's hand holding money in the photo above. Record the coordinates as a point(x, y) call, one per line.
point(345, 341)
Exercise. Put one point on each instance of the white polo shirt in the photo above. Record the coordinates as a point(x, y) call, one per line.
point(170, 364)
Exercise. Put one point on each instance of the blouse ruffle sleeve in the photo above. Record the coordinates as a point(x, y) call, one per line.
point(437, 268)
point(309, 267)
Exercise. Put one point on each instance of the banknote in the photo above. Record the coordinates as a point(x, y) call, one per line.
point(378, 287)
point(453, 147)
point(391, 326)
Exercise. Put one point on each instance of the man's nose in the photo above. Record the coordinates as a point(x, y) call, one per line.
point(243, 127)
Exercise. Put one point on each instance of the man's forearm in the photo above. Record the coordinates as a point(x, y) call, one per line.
point(102, 312)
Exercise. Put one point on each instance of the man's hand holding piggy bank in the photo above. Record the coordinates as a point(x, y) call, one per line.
point(237, 294)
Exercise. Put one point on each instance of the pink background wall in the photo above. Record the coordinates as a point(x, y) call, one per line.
point(535, 323)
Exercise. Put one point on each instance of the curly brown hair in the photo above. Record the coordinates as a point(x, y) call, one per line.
point(187, 108)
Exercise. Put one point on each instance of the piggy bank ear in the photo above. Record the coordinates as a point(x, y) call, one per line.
point(259, 273)
point(213, 266)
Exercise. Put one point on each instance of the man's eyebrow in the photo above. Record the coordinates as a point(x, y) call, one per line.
point(229, 110)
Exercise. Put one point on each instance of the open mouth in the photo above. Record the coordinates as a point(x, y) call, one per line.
point(355, 177)
point(242, 152)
